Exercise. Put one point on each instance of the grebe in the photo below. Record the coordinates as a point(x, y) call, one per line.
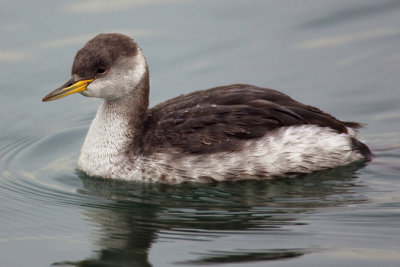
point(226, 133)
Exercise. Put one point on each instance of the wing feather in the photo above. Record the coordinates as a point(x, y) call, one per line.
point(222, 118)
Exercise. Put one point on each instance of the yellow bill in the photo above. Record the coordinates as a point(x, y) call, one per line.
point(66, 91)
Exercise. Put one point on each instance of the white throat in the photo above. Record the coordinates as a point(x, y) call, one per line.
point(105, 142)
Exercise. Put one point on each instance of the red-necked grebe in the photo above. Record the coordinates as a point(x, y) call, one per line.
point(232, 132)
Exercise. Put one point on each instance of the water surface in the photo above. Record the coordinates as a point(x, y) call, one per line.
point(341, 56)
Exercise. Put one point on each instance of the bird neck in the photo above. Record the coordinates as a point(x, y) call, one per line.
point(131, 109)
point(117, 127)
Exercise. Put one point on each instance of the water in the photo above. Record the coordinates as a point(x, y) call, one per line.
point(341, 56)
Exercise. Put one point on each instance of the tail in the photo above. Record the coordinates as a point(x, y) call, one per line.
point(353, 125)
point(362, 148)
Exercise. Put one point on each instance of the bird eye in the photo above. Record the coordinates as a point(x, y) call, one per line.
point(101, 70)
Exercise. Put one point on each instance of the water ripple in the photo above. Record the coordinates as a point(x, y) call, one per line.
point(27, 164)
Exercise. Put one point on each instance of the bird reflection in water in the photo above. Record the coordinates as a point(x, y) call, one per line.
point(131, 217)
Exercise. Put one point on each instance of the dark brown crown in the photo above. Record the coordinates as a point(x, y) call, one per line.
point(101, 52)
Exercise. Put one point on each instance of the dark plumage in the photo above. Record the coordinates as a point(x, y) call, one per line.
point(221, 118)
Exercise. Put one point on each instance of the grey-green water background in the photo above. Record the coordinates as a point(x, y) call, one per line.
point(342, 56)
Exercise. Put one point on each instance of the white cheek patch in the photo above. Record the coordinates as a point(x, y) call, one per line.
point(121, 79)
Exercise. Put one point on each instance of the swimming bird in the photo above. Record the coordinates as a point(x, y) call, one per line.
point(226, 133)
